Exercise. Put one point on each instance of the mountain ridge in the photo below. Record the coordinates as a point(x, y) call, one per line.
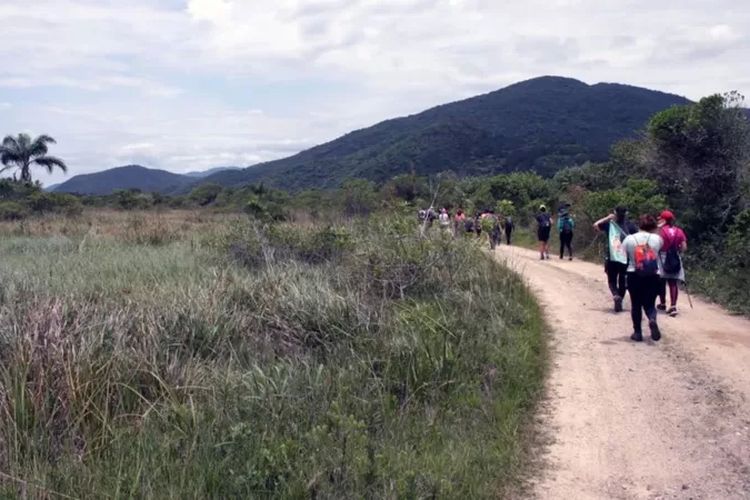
point(133, 177)
point(540, 124)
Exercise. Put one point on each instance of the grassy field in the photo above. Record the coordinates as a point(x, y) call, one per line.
point(190, 355)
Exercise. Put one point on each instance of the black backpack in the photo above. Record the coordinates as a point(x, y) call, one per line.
point(672, 263)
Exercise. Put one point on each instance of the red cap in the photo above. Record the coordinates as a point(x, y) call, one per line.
point(667, 215)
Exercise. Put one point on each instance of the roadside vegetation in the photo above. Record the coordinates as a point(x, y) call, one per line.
point(187, 354)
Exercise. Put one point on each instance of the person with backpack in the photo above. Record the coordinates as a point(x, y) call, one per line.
point(544, 228)
point(644, 275)
point(565, 226)
point(445, 219)
point(509, 227)
point(675, 243)
point(616, 227)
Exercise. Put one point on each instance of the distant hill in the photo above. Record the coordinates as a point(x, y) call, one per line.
point(541, 124)
point(134, 177)
point(127, 177)
point(206, 173)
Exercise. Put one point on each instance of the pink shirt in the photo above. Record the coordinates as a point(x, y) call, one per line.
point(673, 236)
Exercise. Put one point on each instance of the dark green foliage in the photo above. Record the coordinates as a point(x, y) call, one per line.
point(11, 210)
point(700, 154)
point(541, 124)
point(205, 194)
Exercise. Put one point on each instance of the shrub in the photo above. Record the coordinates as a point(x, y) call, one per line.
point(11, 210)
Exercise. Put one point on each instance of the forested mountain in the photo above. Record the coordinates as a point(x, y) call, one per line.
point(540, 124)
point(133, 177)
point(127, 177)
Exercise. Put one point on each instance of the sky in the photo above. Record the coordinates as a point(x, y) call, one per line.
point(187, 85)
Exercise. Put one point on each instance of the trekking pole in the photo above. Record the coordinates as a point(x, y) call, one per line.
point(687, 291)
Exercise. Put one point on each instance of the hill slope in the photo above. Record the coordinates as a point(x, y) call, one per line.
point(540, 124)
point(127, 177)
point(134, 177)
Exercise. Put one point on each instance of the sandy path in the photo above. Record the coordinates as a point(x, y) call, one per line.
point(649, 420)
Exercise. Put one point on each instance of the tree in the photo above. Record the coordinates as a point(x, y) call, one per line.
point(22, 153)
point(700, 154)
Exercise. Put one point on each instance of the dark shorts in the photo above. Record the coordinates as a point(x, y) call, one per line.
point(543, 233)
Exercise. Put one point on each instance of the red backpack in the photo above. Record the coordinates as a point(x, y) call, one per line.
point(646, 259)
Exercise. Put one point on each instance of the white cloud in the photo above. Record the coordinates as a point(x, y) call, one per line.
point(190, 78)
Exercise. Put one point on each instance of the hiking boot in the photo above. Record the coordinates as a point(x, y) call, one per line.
point(637, 337)
point(618, 303)
point(541, 257)
point(570, 258)
point(672, 311)
point(655, 332)
point(661, 307)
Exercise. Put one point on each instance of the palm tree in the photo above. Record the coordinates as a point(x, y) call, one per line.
point(21, 153)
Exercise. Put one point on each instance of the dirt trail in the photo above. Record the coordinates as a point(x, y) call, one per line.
point(650, 420)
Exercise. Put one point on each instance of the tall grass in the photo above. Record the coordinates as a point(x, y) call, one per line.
point(219, 358)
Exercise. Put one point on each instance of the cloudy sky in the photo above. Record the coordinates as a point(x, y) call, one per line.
point(192, 84)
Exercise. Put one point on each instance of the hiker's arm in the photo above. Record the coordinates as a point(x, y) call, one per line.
point(602, 221)
point(683, 246)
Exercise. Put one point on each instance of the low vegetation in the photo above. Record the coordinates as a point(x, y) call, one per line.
point(192, 355)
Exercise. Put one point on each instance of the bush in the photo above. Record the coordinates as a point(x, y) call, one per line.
point(11, 210)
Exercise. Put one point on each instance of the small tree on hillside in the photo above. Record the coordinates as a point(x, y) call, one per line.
point(22, 153)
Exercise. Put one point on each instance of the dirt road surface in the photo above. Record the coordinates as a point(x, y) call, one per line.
point(654, 420)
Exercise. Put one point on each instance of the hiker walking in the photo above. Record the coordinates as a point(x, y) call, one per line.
point(616, 227)
point(509, 226)
point(444, 219)
point(544, 228)
point(675, 243)
point(644, 275)
point(458, 222)
point(565, 226)
point(492, 226)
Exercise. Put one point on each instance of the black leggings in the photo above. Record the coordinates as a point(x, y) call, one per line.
point(508, 230)
point(566, 240)
point(643, 291)
point(616, 278)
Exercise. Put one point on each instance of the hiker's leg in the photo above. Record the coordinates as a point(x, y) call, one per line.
point(507, 235)
point(636, 312)
point(650, 291)
point(674, 292)
point(612, 274)
point(562, 245)
point(663, 291)
point(569, 243)
point(622, 279)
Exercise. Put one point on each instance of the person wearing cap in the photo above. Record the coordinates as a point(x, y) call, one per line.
point(675, 243)
point(616, 270)
point(544, 228)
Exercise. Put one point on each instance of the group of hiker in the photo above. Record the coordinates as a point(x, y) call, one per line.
point(484, 221)
point(645, 260)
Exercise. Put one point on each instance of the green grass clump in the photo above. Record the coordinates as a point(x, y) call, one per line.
point(250, 361)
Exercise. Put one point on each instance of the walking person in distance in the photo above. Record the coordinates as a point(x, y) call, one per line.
point(565, 226)
point(616, 227)
point(544, 228)
point(675, 243)
point(644, 275)
point(509, 226)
